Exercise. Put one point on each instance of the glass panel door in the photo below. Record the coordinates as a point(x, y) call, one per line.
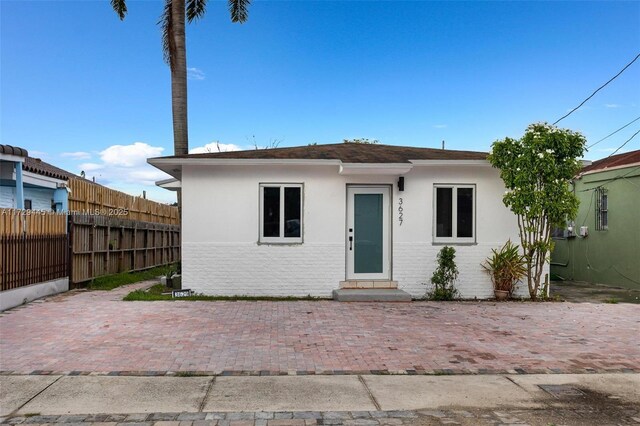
point(368, 233)
point(368, 241)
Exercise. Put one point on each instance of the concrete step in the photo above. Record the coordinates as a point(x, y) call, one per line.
point(370, 295)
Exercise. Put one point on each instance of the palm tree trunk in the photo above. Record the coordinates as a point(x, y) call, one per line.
point(179, 80)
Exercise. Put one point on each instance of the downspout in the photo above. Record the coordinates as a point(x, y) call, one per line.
point(19, 186)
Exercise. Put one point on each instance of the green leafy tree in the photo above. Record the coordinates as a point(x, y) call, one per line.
point(536, 170)
point(172, 21)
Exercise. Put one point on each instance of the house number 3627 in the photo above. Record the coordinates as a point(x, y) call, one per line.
point(400, 210)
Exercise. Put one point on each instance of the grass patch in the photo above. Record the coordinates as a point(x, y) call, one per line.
point(611, 300)
point(109, 282)
point(155, 293)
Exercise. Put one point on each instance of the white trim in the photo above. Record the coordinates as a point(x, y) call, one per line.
point(173, 166)
point(385, 190)
point(281, 239)
point(374, 168)
point(40, 180)
point(454, 215)
point(450, 162)
point(170, 184)
point(12, 158)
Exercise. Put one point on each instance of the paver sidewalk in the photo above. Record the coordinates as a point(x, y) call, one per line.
point(86, 332)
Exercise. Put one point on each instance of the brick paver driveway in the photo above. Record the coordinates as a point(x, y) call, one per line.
point(96, 331)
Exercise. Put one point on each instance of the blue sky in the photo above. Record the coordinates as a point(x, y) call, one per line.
point(85, 91)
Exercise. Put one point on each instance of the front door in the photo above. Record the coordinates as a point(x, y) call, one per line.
point(368, 233)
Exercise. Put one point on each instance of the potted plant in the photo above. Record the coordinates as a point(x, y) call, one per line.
point(505, 266)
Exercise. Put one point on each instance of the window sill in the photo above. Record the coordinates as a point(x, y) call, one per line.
point(279, 243)
point(454, 243)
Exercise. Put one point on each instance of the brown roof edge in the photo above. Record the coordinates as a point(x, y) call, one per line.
point(13, 150)
point(37, 166)
point(345, 152)
point(619, 160)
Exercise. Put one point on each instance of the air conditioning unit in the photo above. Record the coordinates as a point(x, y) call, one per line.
point(584, 231)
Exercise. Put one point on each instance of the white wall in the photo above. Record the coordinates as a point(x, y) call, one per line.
point(18, 296)
point(221, 254)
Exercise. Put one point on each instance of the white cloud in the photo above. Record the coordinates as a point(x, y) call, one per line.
point(130, 155)
point(439, 126)
point(215, 147)
point(125, 168)
point(195, 74)
point(38, 154)
point(78, 155)
point(612, 106)
point(89, 167)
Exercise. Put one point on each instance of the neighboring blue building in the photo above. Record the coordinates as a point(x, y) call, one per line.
point(30, 183)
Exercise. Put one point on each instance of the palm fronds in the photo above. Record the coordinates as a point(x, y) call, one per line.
point(239, 10)
point(195, 9)
point(168, 42)
point(120, 7)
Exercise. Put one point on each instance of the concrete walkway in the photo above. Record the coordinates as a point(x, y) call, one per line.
point(378, 399)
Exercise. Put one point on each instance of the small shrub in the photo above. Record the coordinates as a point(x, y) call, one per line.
point(444, 277)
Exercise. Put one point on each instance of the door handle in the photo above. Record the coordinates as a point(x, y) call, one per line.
point(350, 243)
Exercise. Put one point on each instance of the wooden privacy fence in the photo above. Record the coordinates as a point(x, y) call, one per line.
point(90, 198)
point(32, 222)
point(29, 259)
point(102, 245)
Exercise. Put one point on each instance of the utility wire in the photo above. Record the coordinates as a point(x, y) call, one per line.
point(613, 133)
point(610, 180)
point(626, 142)
point(597, 90)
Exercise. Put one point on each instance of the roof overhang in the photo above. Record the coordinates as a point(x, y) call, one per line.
point(173, 165)
point(374, 169)
point(607, 169)
point(171, 184)
point(11, 157)
point(36, 179)
point(450, 162)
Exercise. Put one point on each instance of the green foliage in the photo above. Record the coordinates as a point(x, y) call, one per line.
point(109, 282)
point(156, 293)
point(361, 140)
point(506, 266)
point(537, 170)
point(445, 275)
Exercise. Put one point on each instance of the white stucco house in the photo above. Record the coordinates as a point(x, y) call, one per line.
point(309, 220)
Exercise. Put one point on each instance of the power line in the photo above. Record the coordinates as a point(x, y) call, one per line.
point(613, 133)
point(597, 90)
point(626, 142)
point(610, 180)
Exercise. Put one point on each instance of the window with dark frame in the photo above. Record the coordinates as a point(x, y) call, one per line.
point(602, 209)
point(454, 213)
point(28, 204)
point(281, 213)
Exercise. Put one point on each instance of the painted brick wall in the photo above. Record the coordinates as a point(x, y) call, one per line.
point(414, 264)
point(267, 270)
